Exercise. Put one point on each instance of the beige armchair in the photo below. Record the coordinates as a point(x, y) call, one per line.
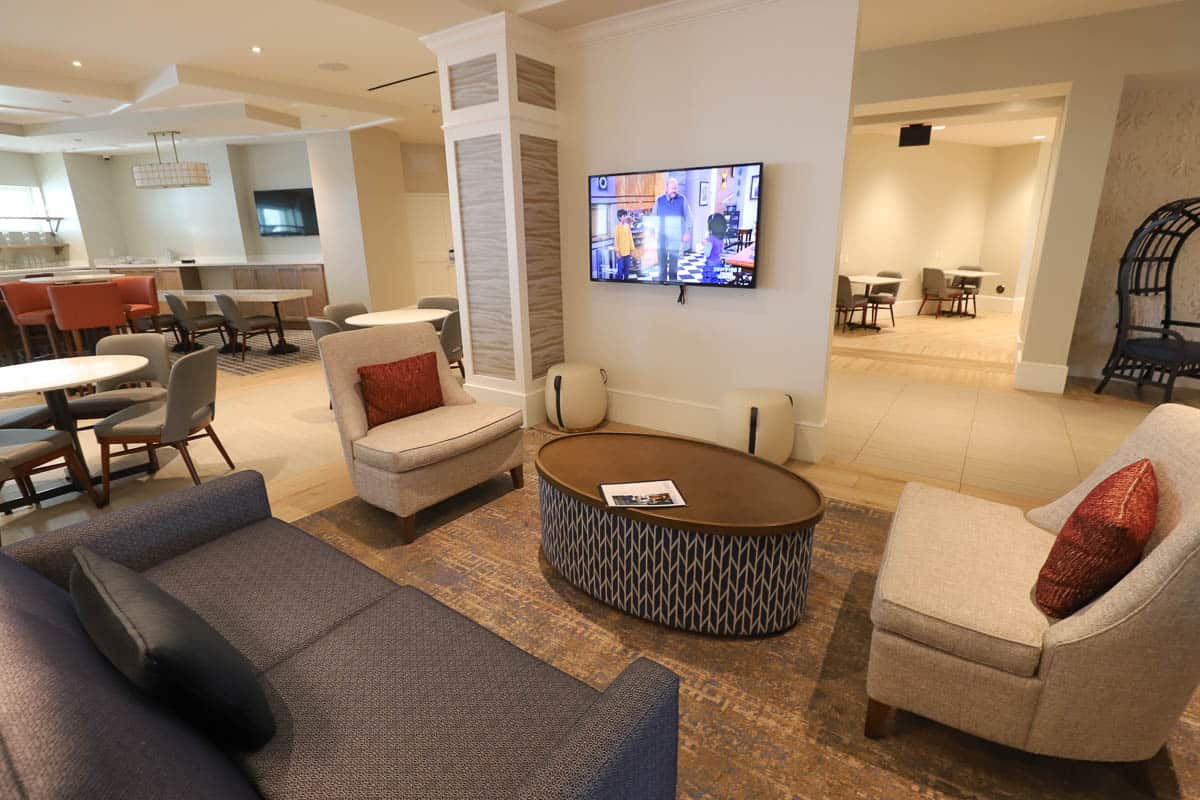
point(958, 638)
point(415, 462)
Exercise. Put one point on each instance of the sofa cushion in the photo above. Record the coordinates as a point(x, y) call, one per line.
point(1100, 542)
point(401, 388)
point(270, 588)
point(418, 441)
point(958, 574)
point(412, 700)
point(67, 717)
point(166, 650)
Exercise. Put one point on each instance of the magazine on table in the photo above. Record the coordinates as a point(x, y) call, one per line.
point(643, 494)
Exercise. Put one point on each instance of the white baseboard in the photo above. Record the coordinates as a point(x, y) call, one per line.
point(532, 403)
point(1035, 376)
point(699, 420)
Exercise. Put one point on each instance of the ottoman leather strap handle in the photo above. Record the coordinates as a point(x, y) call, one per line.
point(558, 399)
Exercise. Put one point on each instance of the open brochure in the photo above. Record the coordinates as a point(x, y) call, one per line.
point(644, 494)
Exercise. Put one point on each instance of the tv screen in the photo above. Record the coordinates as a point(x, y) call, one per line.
point(696, 226)
point(286, 212)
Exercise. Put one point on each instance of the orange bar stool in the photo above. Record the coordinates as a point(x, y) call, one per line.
point(139, 294)
point(29, 306)
point(83, 306)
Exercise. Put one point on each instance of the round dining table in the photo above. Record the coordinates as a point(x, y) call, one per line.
point(397, 316)
point(52, 378)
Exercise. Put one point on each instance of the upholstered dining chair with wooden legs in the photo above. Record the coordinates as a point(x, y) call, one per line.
point(118, 394)
point(452, 343)
point(934, 289)
point(970, 290)
point(884, 294)
point(29, 307)
point(445, 302)
point(339, 312)
point(847, 303)
point(186, 414)
point(193, 325)
point(320, 329)
point(86, 306)
point(139, 293)
point(244, 326)
point(25, 452)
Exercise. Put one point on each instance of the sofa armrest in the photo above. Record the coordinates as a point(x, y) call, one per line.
point(152, 532)
point(625, 747)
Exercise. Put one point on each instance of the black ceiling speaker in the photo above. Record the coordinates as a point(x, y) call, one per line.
point(917, 135)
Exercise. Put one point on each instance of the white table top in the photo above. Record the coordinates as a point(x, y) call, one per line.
point(970, 273)
point(249, 295)
point(873, 279)
point(398, 316)
point(75, 277)
point(64, 373)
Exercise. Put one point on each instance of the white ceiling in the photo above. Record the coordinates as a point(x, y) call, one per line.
point(996, 133)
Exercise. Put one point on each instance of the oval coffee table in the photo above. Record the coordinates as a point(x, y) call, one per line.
point(734, 561)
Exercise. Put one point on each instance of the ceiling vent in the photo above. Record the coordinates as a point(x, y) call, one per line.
point(170, 174)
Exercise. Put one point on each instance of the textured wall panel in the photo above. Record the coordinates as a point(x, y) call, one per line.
point(535, 82)
point(543, 256)
point(474, 82)
point(485, 254)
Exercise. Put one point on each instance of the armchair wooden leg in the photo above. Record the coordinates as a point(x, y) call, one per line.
point(187, 459)
point(408, 528)
point(83, 479)
point(518, 476)
point(152, 455)
point(213, 435)
point(105, 473)
point(878, 717)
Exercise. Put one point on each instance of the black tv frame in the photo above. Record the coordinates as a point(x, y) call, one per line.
point(296, 190)
point(757, 227)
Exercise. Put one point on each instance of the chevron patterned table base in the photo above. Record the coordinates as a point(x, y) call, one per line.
point(703, 582)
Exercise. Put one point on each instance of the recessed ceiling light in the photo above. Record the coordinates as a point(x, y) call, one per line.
point(77, 63)
point(256, 49)
point(333, 66)
point(1039, 137)
point(939, 127)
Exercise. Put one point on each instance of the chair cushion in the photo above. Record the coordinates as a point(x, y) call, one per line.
point(21, 445)
point(204, 321)
point(42, 316)
point(957, 575)
point(166, 650)
point(69, 717)
point(256, 322)
point(140, 310)
point(144, 419)
point(401, 388)
point(421, 701)
point(25, 417)
point(437, 435)
point(1101, 541)
point(101, 404)
point(882, 297)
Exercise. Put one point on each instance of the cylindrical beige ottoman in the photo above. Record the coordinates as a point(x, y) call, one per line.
point(758, 422)
point(576, 399)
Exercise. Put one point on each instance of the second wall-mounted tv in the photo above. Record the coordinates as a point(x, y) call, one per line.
point(286, 212)
point(696, 226)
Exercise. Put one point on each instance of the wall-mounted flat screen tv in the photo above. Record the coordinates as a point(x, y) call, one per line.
point(286, 212)
point(696, 226)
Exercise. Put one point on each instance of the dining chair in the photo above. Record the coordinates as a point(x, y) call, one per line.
point(29, 307)
point(439, 301)
point(87, 306)
point(847, 303)
point(245, 326)
point(25, 417)
point(970, 290)
point(139, 293)
point(452, 344)
point(934, 288)
point(884, 294)
point(25, 452)
point(321, 328)
point(338, 312)
point(117, 394)
point(194, 325)
point(184, 415)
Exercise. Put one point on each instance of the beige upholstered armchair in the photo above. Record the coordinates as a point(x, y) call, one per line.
point(414, 462)
point(958, 638)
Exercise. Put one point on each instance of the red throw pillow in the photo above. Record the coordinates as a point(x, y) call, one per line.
point(1101, 541)
point(400, 388)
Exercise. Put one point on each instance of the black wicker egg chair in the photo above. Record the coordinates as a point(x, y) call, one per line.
point(1147, 271)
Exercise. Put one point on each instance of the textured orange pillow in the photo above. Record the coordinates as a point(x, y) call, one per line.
point(1101, 541)
point(400, 388)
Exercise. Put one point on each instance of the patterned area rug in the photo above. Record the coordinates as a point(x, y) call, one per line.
point(257, 358)
point(775, 717)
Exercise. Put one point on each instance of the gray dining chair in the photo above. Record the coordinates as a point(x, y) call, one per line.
point(934, 288)
point(186, 414)
point(452, 345)
point(439, 301)
point(884, 294)
point(242, 325)
point(338, 312)
point(847, 303)
point(117, 394)
point(320, 329)
point(970, 289)
point(193, 325)
point(25, 417)
point(25, 452)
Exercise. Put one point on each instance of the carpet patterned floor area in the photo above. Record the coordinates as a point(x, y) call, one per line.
point(777, 717)
point(257, 358)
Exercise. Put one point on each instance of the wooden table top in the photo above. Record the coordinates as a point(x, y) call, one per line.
point(726, 491)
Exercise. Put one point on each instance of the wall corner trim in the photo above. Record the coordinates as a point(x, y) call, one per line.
point(664, 15)
point(1035, 376)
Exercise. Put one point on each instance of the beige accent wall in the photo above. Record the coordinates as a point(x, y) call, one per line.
point(1006, 245)
point(278, 165)
point(1155, 159)
point(379, 176)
